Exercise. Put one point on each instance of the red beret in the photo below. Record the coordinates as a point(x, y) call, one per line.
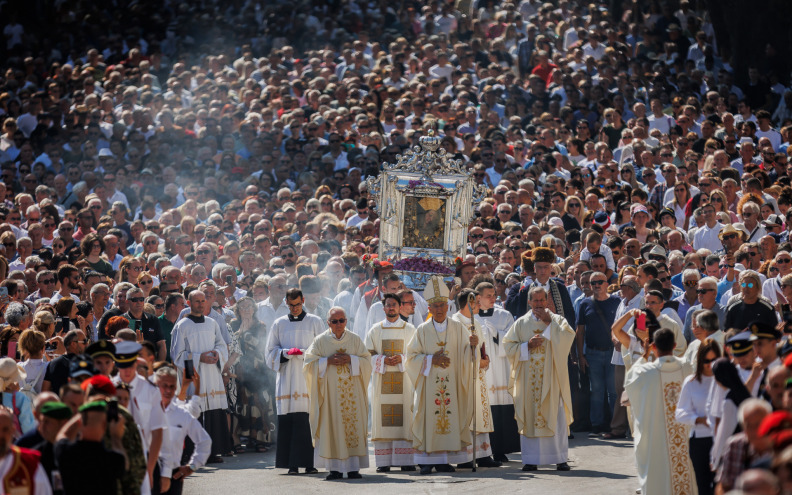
point(100, 383)
point(775, 422)
point(782, 440)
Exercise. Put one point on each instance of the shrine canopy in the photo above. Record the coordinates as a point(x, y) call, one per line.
point(425, 202)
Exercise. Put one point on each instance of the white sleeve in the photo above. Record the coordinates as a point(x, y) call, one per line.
point(427, 364)
point(355, 365)
point(42, 482)
point(322, 367)
point(401, 365)
point(202, 441)
point(685, 412)
point(525, 353)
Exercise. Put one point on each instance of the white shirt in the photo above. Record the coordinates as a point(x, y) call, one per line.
point(35, 369)
point(181, 424)
point(145, 404)
point(693, 404)
point(267, 313)
point(707, 238)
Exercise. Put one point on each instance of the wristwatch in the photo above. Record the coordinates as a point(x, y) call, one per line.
point(192, 467)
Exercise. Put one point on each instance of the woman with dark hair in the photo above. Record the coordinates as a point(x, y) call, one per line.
point(92, 247)
point(248, 380)
point(66, 309)
point(692, 410)
point(622, 214)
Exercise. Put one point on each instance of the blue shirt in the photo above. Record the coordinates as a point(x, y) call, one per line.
point(597, 317)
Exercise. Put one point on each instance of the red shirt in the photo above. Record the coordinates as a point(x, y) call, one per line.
point(544, 72)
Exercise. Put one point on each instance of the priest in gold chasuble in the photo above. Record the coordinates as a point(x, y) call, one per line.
point(392, 398)
point(661, 442)
point(538, 346)
point(440, 365)
point(337, 371)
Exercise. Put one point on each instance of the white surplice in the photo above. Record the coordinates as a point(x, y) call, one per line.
point(191, 337)
point(287, 332)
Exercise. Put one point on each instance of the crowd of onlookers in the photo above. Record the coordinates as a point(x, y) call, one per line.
point(151, 150)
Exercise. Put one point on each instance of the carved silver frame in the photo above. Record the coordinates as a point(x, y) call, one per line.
point(424, 171)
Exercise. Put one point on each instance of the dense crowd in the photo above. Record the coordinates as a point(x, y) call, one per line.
point(176, 179)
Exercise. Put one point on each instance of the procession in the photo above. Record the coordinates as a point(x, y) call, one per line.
point(319, 246)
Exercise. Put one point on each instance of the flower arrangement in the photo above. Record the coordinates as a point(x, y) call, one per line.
point(425, 265)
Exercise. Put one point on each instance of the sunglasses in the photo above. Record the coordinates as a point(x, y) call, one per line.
point(135, 299)
point(337, 321)
point(704, 291)
point(749, 285)
point(597, 282)
point(691, 283)
point(707, 361)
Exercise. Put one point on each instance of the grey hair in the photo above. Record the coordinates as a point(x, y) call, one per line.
point(750, 405)
point(709, 280)
point(32, 261)
point(208, 282)
point(134, 290)
point(218, 269)
point(690, 272)
point(336, 308)
point(70, 337)
point(80, 187)
point(125, 286)
point(97, 287)
point(165, 371)
point(707, 320)
point(15, 313)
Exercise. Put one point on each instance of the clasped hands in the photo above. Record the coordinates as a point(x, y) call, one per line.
point(210, 357)
point(338, 359)
point(393, 360)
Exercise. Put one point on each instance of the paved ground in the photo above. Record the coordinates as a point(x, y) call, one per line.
point(598, 467)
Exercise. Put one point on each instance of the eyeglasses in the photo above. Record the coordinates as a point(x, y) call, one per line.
point(691, 283)
point(729, 237)
point(663, 279)
point(597, 282)
point(704, 291)
point(783, 261)
point(47, 281)
point(135, 299)
point(159, 306)
point(574, 205)
point(337, 321)
point(203, 252)
point(749, 285)
point(707, 361)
